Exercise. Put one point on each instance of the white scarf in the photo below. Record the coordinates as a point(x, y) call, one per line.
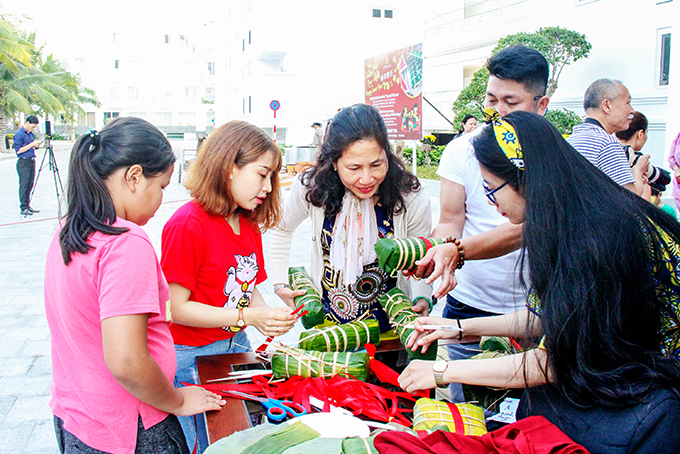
point(354, 236)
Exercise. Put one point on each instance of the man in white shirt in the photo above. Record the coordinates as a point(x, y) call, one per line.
point(488, 283)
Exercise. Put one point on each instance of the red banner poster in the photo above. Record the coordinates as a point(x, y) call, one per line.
point(394, 86)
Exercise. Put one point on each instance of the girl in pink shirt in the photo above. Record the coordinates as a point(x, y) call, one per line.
point(113, 359)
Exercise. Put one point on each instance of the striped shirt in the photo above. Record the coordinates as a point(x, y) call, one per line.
point(603, 150)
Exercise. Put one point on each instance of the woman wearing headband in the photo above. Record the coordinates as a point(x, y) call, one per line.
point(358, 192)
point(603, 292)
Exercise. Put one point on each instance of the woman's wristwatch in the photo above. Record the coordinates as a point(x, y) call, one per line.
point(278, 287)
point(439, 367)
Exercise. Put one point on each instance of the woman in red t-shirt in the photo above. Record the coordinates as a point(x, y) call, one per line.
point(212, 252)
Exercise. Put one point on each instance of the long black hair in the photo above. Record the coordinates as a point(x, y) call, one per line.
point(590, 247)
point(351, 124)
point(124, 142)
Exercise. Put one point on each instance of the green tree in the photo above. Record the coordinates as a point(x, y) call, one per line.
point(563, 119)
point(559, 46)
point(30, 83)
point(69, 91)
point(471, 99)
point(15, 58)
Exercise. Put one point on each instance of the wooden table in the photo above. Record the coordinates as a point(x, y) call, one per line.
point(234, 415)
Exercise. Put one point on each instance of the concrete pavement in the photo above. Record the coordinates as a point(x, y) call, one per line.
point(25, 371)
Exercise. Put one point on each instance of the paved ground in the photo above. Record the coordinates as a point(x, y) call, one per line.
point(25, 374)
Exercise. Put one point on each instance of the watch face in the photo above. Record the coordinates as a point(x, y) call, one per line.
point(439, 366)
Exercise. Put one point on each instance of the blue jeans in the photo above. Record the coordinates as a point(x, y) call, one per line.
point(187, 372)
point(456, 309)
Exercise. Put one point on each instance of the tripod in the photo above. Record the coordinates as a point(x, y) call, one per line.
point(52, 164)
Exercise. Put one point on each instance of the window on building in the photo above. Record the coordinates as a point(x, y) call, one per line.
point(389, 14)
point(167, 39)
point(665, 59)
point(210, 95)
point(250, 37)
point(211, 68)
point(377, 13)
point(132, 92)
point(162, 118)
point(187, 119)
point(250, 104)
point(110, 116)
point(116, 64)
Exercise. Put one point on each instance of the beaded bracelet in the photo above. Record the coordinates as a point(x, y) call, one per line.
point(461, 250)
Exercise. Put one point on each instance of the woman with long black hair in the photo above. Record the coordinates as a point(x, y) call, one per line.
point(603, 279)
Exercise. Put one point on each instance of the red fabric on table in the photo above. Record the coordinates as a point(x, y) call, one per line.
point(372, 401)
point(532, 435)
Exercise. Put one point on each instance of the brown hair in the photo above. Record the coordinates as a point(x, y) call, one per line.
point(236, 143)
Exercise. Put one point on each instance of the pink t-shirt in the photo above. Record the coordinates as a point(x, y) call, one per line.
point(120, 276)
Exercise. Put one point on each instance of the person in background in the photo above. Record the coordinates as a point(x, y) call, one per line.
point(317, 140)
point(25, 145)
point(608, 110)
point(674, 163)
point(106, 302)
point(212, 253)
point(358, 192)
point(656, 200)
point(469, 124)
point(607, 370)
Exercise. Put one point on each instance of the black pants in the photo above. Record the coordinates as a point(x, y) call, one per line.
point(26, 171)
point(166, 437)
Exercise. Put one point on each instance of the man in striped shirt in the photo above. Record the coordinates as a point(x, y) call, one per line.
point(608, 110)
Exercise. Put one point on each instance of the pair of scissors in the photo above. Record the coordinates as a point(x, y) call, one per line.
point(277, 410)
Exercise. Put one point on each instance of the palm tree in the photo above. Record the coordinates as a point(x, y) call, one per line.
point(69, 91)
point(15, 58)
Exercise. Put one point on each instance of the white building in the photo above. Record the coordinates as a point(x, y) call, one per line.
point(179, 64)
point(630, 42)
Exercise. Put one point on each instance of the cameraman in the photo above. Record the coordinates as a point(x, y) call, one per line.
point(633, 139)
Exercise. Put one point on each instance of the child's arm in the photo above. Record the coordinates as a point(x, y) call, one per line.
point(127, 356)
point(270, 321)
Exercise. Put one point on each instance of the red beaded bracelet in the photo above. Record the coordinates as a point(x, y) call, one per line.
point(461, 250)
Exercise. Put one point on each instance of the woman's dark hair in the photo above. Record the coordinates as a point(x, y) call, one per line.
point(590, 247)
point(124, 142)
point(351, 124)
point(467, 117)
point(638, 123)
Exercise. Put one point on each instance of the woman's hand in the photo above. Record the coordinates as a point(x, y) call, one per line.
point(440, 261)
point(288, 295)
point(422, 307)
point(270, 321)
point(198, 400)
point(417, 376)
point(422, 338)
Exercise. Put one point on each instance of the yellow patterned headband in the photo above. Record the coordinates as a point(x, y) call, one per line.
point(506, 137)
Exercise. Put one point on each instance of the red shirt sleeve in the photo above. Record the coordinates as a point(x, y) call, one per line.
point(183, 249)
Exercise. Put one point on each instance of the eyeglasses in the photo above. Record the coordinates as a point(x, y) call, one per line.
point(489, 193)
point(536, 98)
